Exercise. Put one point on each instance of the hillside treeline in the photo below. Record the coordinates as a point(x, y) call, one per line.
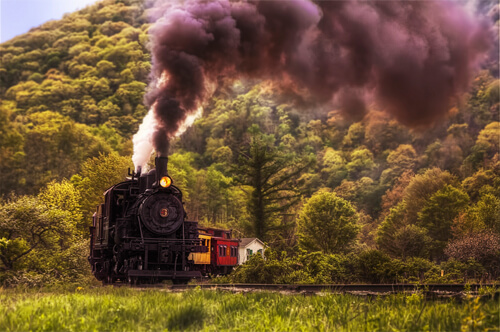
point(372, 199)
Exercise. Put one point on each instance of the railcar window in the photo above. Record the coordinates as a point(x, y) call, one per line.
point(222, 251)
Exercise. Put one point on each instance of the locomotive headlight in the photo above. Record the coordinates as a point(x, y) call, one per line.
point(165, 181)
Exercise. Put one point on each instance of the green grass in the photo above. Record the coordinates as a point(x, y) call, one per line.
point(124, 309)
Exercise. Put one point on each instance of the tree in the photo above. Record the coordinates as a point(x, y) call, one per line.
point(394, 195)
point(384, 133)
point(272, 176)
point(387, 230)
point(334, 168)
point(355, 135)
point(490, 137)
point(438, 213)
point(422, 187)
point(411, 241)
point(97, 175)
point(365, 193)
point(57, 147)
point(466, 223)
point(483, 215)
point(361, 163)
point(400, 160)
point(486, 147)
point(11, 151)
point(65, 197)
point(327, 223)
point(474, 184)
point(488, 210)
point(27, 224)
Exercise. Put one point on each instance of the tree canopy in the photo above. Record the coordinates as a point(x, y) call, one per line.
point(327, 223)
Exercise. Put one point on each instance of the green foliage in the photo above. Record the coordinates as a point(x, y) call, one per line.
point(272, 175)
point(96, 176)
point(487, 210)
point(26, 224)
point(327, 223)
point(420, 270)
point(438, 214)
point(39, 240)
point(412, 241)
point(370, 266)
point(489, 137)
point(355, 135)
point(64, 196)
point(386, 233)
point(402, 159)
point(463, 271)
point(422, 187)
point(333, 167)
point(361, 163)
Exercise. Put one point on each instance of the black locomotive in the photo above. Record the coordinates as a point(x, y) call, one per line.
point(140, 232)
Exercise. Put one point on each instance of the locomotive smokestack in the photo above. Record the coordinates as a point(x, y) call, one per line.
point(161, 168)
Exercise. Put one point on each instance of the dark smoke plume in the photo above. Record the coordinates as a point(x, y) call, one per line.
point(411, 57)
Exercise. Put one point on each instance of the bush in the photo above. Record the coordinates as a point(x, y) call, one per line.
point(370, 266)
point(264, 271)
point(419, 270)
point(457, 271)
point(483, 248)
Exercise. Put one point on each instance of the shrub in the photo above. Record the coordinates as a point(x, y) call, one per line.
point(457, 271)
point(370, 266)
point(418, 269)
point(484, 248)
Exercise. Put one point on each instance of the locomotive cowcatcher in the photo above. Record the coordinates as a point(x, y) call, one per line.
point(139, 233)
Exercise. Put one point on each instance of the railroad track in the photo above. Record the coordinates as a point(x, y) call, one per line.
point(338, 288)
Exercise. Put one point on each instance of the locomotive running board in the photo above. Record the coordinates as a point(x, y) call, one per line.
point(164, 274)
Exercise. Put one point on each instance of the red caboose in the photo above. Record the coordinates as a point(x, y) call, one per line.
point(222, 255)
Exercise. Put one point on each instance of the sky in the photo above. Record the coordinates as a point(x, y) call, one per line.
point(19, 16)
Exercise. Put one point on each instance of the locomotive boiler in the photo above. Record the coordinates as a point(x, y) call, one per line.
point(140, 232)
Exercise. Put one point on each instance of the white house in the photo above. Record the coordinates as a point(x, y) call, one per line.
point(248, 247)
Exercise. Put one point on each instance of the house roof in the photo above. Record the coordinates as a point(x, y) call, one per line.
point(247, 240)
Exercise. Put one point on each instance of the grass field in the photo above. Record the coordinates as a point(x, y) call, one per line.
point(124, 309)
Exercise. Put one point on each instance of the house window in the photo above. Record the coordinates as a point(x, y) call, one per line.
point(260, 251)
point(249, 252)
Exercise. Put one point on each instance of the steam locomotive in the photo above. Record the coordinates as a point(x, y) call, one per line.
point(140, 234)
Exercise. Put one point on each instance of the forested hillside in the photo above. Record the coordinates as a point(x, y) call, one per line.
point(302, 178)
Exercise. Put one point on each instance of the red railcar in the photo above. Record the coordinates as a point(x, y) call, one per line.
point(222, 255)
point(225, 253)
